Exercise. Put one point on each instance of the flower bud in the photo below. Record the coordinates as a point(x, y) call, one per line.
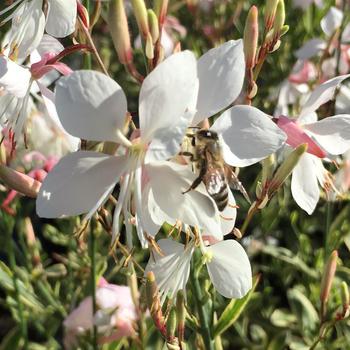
point(153, 303)
point(118, 26)
point(20, 182)
point(328, 276)
point(270, 12)
point(140, 12)
point(153, 25)
point(345, 297)
point(161, 9)
point(181, 315)
point(279, 19)
point(250, 36)
point(149, 48)
point(3, 157)
point(83, 14)
point(286, 168)
point(268, 167)
point(171, 325)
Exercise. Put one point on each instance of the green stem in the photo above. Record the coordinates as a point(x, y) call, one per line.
point(329, 212)
point(248, 218)
point(203, 316)
point(92, 253)
point(12, 263)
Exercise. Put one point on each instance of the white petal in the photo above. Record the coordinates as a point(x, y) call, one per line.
point(221, 73)
point(173, 268)
point(307, 118)
point(47, 44)
point(342, 103)
point(91, 105)
point(77, 183)
point(305, 188)
point(249, 135)
point(166, 142)
point(61, 17)
point(310, 49)
point(27, 28)
point(167, 94)
point(332, 133)
point(229, 269)
point(14, 78)
point(227, 217)
point(152, 216)
point(331, 21)
point(322, 94)
point(169, 181)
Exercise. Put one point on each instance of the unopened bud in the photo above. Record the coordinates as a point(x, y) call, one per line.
point(284, 29)
point(275, 47)
point(153, 25)
point(345, 297)
point(140, 12)
point(181, 315)
point(286, 168)
point(328, 275)
point(171, 324)
point(3, 157)
point(268, 168)
point(118, 26)
point(237, 233)
point(270, 12)
point(279, 19)
point(19, 182)
point(253, 91)
point(153, 303)
point(263, 202)
point(149, 48)
point(250, 36)
point(161, 9)
point(83, 14)
point(327, 280)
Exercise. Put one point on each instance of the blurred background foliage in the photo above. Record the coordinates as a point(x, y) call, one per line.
point(45, 268)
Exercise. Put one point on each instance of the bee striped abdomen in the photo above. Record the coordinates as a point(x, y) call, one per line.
point(217, 188)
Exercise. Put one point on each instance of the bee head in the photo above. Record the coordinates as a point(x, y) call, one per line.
point(205, 135)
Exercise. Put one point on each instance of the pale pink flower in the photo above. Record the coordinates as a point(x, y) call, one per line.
point(115, 317)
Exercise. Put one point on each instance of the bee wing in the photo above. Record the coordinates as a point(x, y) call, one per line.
point(234, 182)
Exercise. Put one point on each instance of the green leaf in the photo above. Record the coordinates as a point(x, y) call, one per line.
point(282, 318)
point(303, 309)
point(233, 310)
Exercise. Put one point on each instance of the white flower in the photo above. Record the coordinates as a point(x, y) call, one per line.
point(247, 134)
point(93, 107)
point(17, 82)
point(327, 137)
point(29, 23)
point(228, 267)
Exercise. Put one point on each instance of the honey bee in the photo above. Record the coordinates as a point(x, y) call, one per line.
point(208, 160)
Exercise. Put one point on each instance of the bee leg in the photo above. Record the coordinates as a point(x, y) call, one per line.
point(196, 182)
point(187, 154)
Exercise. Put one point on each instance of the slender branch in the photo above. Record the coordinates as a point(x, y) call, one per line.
point(91, 43)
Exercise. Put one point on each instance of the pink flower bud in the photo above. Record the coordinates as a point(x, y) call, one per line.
point(20, 182)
